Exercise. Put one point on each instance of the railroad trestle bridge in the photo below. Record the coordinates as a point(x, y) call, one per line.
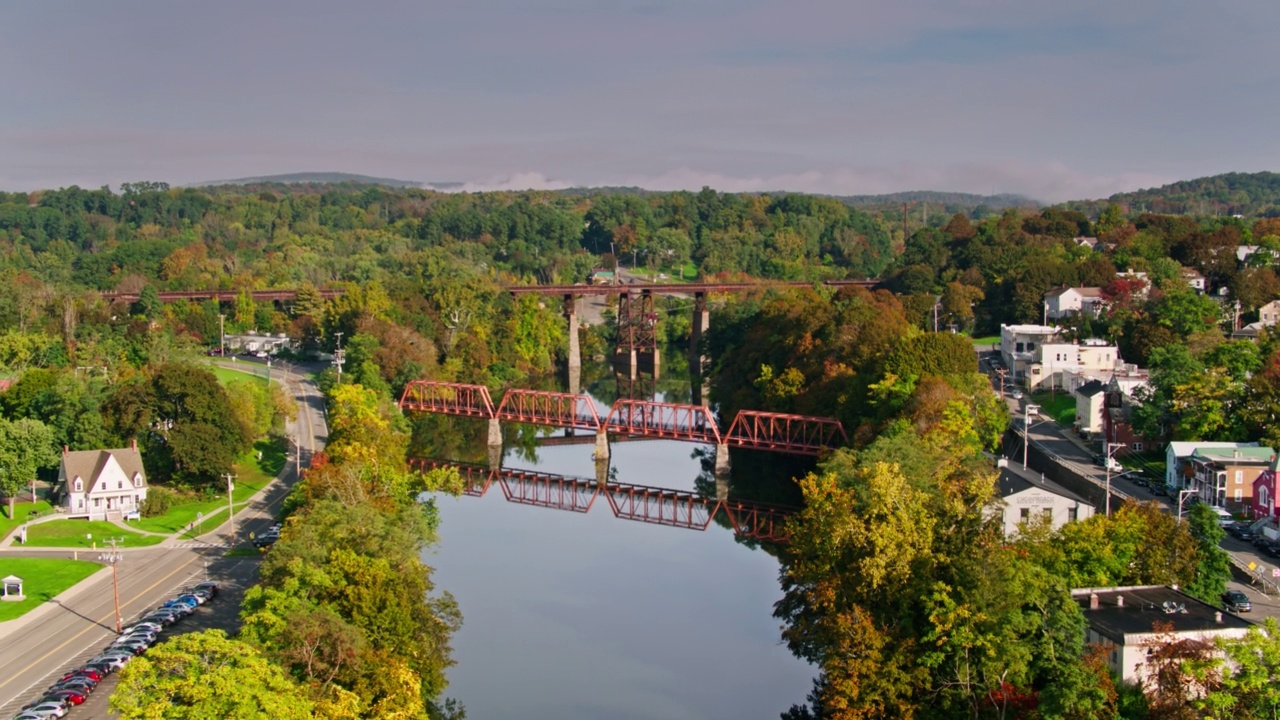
point(751, 429)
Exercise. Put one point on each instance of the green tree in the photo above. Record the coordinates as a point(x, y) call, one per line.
point(1214, 567)
point(26, 445)
point(1250, 685)
point(196, 676)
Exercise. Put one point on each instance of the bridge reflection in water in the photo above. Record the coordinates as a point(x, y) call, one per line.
point(658, 506)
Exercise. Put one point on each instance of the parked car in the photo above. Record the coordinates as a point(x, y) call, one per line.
point(1245, 535)
point(70, 697)
point(48, 709)
point(114, 660)
point(84, 686)
point(1159, 489)
point(90, 673)
point(1236, 601)
point(191, 598)
point(212, 587)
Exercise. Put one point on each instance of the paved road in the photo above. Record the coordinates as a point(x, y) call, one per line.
point(64, 634)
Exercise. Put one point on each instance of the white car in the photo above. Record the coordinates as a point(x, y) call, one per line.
point(113, 659)
point(48, 710)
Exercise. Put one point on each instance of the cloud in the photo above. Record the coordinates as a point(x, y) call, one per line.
point(518, 181)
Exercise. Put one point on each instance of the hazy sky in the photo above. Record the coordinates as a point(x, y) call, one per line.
point(1051, 99)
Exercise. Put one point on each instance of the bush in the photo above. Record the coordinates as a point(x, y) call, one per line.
point(159, 501)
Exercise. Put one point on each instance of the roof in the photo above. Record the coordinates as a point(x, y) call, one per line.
point(1248, 454)
point(1014, 479)
point(1143, 606)
point(11, 580)
point(1091, 388)
point(1186, 448)
point(88, 464)
point(1031, 329)
point(1191, 273)
point(1089, 292)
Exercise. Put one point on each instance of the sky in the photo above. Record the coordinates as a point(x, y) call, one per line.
point(1053, 100)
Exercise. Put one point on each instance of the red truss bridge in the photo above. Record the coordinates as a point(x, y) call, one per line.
point(639, 503)
point(752, 429)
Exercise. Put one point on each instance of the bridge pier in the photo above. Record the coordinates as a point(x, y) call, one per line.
point(575, 346)
point(602, 471)
point(602, 447)
point(495, 457)
point(722, 487)
point(495, 432)
point(698, 327)
point(722, 461)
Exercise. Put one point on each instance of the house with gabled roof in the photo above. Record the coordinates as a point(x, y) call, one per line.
point(102, 484)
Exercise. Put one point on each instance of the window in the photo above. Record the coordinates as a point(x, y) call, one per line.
point(137, 480)
point(1239, 494)
point(79, 485)
point(97, 502)
point(1018, 347)
point(1073, 513)
point(1239, 476)
point(1025, 514)
point(1137, 447)
point(1048, 514)
point(119, 484)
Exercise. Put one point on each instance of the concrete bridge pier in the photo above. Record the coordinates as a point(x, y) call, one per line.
point(575, 347)
point(495, 433)
point(602, 447)
point(722, 461)
point(699, 326)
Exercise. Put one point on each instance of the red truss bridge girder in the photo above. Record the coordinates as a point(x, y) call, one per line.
point(799, 434)
point(557, 409)
point(757, 522)
point(527, 487)
point(659, 506)
point(664, 420)
point(448, 398)
point(476, 478)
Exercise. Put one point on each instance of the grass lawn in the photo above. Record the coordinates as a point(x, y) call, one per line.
point(43, 579)
point(21, 513)
point(986, 341)
point(226, 376)
point(76, 533)
point(252, 475)
point(1149, 462)
point(1061, 406)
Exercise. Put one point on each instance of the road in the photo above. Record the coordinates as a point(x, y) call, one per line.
point(37, 651)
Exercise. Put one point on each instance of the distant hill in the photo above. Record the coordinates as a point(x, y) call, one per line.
point(315, 178)
point(1248, 194)
point(956, 200)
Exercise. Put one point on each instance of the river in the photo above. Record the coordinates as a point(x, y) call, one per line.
point(588, 616)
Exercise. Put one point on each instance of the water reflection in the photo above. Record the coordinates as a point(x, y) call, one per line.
point(573, 614)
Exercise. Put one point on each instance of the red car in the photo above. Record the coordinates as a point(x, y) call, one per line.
point(90, 673)
point(67, 696)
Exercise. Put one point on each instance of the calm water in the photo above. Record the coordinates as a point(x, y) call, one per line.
point(570, 615)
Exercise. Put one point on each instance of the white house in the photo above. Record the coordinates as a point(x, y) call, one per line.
point(1269, 314)
point(1060, 365)
point(102, 484)
point(1018, 345)
point(1175, 476)
point(1125, 618)
point(257, 342)
point(1194, 279)
point(1025, 495)
point(1090, 398)
point(1069, 301)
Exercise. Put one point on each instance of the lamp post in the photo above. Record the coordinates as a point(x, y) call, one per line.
point(1027, 411)
point(1108, 455)
point(113, 559)
point(231, 510)
point(1183, 495)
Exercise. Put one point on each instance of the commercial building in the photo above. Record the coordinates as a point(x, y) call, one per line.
point(1025, 495)
point(1127, 618)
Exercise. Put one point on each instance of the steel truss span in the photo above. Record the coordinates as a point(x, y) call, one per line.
point(627, 501)
point(750, 429)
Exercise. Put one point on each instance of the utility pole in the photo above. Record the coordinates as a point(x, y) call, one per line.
point(222, 336)
point(113, 559)
point(231, 510)
point(1027, 410)
point(1001, 372)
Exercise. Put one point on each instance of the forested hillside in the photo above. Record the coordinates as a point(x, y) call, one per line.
point(1249, 194)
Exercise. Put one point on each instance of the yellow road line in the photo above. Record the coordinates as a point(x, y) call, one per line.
point(107, 618)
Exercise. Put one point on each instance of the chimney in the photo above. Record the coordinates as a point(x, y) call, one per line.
point(1119, 601)
point(1093, 601)
point(65, 449)
point(133, 443)
point(1217, 617)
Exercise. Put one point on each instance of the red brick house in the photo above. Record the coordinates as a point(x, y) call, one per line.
point(1266, 494)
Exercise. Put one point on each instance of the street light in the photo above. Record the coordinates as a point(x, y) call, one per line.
point(113, 558)
point(231, 510)
point(1108, 449)
point(1027, 411)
